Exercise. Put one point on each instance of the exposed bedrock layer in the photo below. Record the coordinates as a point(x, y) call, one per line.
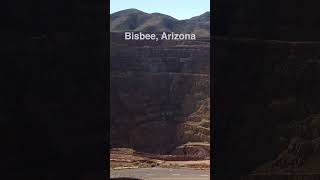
point(267, 102)
point(159, 96)
point(200, 151)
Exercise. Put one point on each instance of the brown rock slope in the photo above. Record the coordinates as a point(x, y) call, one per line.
point(159, 94)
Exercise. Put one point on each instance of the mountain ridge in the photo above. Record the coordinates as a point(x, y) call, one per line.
point(136, 20)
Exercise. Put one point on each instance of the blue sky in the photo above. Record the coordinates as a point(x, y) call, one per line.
point(180, 9)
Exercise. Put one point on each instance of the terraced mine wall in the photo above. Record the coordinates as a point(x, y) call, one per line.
point(159, 95)
point(267, 103)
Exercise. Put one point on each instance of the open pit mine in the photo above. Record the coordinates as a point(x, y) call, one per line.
point(159, 98)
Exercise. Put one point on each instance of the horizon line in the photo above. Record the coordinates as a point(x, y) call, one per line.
point(155, 13)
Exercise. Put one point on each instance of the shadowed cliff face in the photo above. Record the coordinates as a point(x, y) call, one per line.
point(159, 95)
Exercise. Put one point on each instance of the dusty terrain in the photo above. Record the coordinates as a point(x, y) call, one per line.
point(162, 173)
point(124, 158)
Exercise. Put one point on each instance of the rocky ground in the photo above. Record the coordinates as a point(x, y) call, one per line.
point(121, 158)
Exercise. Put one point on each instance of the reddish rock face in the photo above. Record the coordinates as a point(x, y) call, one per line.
point(157, 90)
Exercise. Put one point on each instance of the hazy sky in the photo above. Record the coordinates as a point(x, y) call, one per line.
point(180, 9)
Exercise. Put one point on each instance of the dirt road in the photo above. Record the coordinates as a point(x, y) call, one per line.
point(162, 174)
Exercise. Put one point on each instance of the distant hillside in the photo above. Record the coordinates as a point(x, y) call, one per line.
point(136, 20)
point(203, 18)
